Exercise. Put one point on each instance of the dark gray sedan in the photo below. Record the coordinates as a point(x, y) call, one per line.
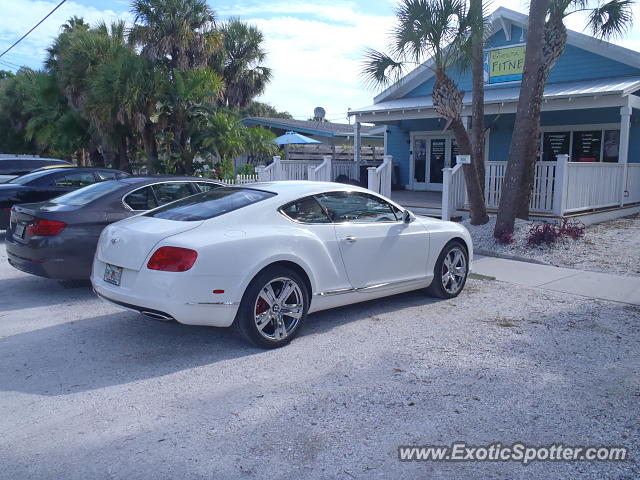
point(58, 238)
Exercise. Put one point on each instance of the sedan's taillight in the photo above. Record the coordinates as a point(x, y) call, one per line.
point(45, 228)
point(172, 259)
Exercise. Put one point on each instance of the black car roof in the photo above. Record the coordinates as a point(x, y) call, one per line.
point(164, 178)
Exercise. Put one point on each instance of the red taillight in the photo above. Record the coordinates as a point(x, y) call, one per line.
point(172, 259)
point(44, 228)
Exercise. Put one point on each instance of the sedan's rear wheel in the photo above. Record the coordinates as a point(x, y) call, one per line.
point(273, 308)
point(450, 272)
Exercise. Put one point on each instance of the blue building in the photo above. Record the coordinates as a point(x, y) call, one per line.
point(591, 113)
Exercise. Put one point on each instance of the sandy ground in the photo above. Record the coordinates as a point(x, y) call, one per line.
point(611, 247)
point(89, 391)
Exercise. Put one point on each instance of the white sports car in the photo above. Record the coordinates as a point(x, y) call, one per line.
point(263, 256)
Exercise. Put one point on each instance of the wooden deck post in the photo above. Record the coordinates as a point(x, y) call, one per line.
point(623, 152)
point(560, 185)
point(446, 195)
point(357, 143)
point(277, 168)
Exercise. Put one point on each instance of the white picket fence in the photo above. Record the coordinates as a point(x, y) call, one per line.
point(240, 179)
point(632, 184)
point(299, 169)
point(543, 185)
point(563, 187)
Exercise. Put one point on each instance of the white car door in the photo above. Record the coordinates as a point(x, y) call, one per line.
point(377, 247)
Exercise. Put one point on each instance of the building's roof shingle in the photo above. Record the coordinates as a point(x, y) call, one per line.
point(323, 129)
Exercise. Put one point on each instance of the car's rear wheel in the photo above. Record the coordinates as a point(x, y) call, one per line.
point(450, 272)
point(273, 307)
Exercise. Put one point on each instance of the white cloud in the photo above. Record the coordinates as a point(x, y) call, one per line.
point(314, 48)
point(19, 17)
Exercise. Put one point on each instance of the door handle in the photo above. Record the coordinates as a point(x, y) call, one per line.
point(351, 239)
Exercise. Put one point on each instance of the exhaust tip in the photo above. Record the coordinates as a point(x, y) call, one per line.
point(157, 315)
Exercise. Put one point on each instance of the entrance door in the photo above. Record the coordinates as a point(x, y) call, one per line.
point(429, 154)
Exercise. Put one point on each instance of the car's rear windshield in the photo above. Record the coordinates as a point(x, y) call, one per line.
point(214, 203)
point(88, 194)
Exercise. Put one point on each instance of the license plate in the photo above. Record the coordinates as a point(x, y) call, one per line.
point(19, 232)
point(112, 274)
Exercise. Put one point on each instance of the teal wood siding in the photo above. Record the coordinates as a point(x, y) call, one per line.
point(398, 141)
point(634, 137)
point(499, 136)
point(398, 147)
point(574, 64)
point(577, 64)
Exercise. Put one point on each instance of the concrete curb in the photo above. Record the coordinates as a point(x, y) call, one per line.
point(506, 256)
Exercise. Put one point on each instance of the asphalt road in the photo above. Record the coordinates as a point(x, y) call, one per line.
point(89, 391)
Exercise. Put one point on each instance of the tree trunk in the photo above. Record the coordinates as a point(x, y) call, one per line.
point(123, 155)
point(527, 118)
point(477, 106)
point(447, 101)
point(150, 147)
point(477, 207)
point(555, 40)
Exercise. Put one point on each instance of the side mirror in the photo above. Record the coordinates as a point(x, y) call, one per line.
point(407, 216)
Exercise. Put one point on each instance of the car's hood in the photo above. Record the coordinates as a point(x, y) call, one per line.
point(129, 242)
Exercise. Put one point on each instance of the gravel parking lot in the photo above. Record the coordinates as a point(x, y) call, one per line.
point(90, 391)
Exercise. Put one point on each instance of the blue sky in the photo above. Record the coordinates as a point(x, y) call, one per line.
point(315, 47)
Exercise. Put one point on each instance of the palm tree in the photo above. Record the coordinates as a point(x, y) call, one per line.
point(179, 33)
point(183, 114)
point(442, 30)
point(546, 40)
point(55, 128)
point(239, 61)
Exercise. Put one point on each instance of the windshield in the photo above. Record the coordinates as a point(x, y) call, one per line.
point(210, 204)
point(88, 194)
point(24, 179)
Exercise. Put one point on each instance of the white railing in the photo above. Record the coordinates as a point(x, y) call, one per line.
point(271, 172)
point(592, 185)
point(563, 187)
point(379, 178)
point(239, 179)
point(543, 185)
point(350, 169)
point(632, 184)
point(322, 172)
point(454, 190)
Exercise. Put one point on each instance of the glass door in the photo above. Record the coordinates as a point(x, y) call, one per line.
point(419, 156)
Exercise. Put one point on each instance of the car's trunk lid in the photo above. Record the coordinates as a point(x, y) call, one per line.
point(129, 242)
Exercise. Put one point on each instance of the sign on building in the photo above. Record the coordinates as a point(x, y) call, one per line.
point(504, 64)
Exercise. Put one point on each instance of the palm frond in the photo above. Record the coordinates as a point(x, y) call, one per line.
point(611, 19)
point(380, 69)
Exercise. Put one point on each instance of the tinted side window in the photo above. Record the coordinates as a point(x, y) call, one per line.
point(306, 210)
point(114, 175)
point(170, 192)
point(142, 199)
point(75, 180)
point(357, 207)
point(206, 186)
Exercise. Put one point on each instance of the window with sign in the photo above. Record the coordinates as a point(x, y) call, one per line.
point(582, 145)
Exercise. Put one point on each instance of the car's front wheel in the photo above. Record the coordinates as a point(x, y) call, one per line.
point(450, 272)
point(273, 307)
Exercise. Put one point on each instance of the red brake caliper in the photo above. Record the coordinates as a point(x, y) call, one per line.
point(261, 306)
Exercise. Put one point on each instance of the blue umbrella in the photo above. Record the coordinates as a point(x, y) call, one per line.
point(293, 138)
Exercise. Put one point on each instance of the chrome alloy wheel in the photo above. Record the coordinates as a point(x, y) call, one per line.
point(278, 308)
point(454, 270)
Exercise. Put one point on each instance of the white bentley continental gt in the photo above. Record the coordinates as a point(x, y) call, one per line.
point(262, 256)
